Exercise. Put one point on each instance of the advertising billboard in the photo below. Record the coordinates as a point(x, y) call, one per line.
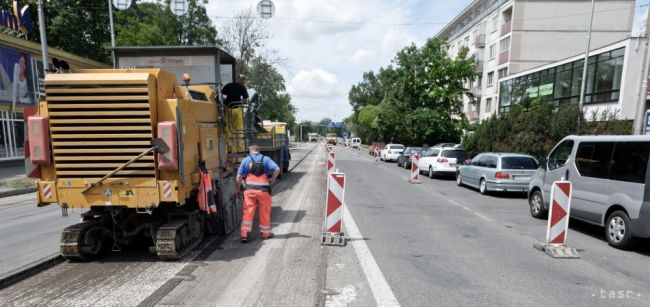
point(16, 87)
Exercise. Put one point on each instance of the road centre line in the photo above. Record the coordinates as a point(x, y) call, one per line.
point(381, 290)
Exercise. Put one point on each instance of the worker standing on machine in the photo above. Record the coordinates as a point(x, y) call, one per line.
point(256, 170)
point(236, 91)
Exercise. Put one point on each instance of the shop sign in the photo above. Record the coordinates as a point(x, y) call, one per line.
point(16, 85)
point(18, 20)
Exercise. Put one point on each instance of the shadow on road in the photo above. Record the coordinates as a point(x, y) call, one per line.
point(597, 232)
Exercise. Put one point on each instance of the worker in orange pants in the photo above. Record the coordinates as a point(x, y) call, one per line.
point(255, 170)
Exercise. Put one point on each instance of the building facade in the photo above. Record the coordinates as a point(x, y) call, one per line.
point(21, 85)
point(509, 37)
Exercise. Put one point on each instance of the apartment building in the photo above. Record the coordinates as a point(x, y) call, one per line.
point(510, 37)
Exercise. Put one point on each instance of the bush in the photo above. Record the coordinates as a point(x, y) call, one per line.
point(535, 127)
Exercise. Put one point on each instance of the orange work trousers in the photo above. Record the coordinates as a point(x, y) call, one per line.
point(251, 199)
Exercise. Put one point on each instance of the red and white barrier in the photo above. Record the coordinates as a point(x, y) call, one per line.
point(334, 203)
point(415, 169)
point(375, 157)
point(558, 222)
point(331, 161)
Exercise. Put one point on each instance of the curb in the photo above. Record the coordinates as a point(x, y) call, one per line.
point(15, 192)
point(30, 270)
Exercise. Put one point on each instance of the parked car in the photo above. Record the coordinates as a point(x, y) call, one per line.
point(608, 177)
point(503, 172)
point(439, 145)
point(391, 152)
point(355, 143)
point(441, 161)
point(404, 159)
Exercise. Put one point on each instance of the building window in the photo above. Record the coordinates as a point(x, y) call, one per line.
point(495, 23)
point(493, 51)
point(504, 45)
point(467, 41)
point(561, 84)
point(490, 78)
point(488, 105)
point(480, 81)
point(503, 73)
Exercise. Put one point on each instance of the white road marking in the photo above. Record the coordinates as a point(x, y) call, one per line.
point(381, 291)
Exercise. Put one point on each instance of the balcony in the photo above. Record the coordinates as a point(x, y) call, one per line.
point(504, 57)
point(476, 91)
point(506, 28)
point(479, 66)
point(479, 41)
point(472, 116)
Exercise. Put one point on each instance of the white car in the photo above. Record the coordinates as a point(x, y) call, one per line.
point(391, 152)
point(355, 143)
point(441, 161)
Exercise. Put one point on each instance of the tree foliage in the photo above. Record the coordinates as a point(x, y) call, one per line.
point(82, 26)
point(416, 100)
point(535, 127)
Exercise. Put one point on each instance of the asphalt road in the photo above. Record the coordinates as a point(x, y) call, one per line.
point(442, 245)
point(30, 234)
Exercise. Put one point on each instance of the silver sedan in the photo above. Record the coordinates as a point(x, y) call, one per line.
point(498, 172)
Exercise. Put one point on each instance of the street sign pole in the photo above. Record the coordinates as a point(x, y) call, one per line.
point(583, 87)
point(110, 17)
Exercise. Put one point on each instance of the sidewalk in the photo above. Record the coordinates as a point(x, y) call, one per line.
point(13, 180)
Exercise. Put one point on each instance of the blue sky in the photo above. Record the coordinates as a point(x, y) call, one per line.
point(344, 38)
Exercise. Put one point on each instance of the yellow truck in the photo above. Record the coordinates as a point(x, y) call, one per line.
point(330, 138)
point(142, 155)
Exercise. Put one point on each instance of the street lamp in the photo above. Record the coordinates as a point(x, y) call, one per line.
point(583, 87)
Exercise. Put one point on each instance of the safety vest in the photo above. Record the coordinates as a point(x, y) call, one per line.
point(257, 178)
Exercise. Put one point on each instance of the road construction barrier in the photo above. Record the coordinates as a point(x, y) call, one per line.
point(558, 222)
point(334, 202)
point(331, 161)
point(375, 157)
point(415, 170)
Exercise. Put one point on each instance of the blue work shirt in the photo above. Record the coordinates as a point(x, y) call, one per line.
point(268, 163)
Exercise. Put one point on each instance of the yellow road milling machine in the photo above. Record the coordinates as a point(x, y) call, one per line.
point(142, 153)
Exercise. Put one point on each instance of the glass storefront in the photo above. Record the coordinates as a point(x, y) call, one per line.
point(561, 84)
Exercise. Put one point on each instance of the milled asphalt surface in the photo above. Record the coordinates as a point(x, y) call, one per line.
point(442, 245)
point(135, 277)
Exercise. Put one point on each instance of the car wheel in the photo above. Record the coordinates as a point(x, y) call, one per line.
point(482, 187)
point(431, 172)
point(536, 202)
point(459, 181)
point(398, 165)
point(618, 230)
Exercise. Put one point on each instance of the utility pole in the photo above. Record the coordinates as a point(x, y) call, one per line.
point(583, 87)
point(41, 28)
point(639, 118)
point(110, 17)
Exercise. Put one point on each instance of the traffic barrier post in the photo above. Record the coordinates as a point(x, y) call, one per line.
point(375, 157)
point(558, 222)
point(331, 161)
point(415, 170)
point(333, 223)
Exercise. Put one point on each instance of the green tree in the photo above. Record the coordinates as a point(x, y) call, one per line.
point(82, 26)
point(416, 100)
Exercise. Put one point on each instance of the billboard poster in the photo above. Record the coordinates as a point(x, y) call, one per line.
point(16, 86)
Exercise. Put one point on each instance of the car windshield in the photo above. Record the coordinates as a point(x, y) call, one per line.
point(396, 147)
point(518, 163)
point(458, 154)
point(417, 150)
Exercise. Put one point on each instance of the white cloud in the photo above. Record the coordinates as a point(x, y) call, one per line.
point(363, 56)
point(330, 43)
point(315, 83)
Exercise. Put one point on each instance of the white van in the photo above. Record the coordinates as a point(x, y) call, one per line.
point(355, 142)
point(609, 178)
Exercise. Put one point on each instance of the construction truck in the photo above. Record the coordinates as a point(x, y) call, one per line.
point(331, 138)
point(143, 155)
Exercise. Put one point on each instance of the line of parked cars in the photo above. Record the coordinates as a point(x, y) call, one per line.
point(609, 176)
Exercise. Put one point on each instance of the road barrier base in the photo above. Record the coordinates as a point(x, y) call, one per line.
point(415, 181)
point(336, 239)
point(558, 251)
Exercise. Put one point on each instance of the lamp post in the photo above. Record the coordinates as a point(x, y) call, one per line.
point(584, 68)
point(41, 28)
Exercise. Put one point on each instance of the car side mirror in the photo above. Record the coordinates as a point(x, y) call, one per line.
point(542, 163)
